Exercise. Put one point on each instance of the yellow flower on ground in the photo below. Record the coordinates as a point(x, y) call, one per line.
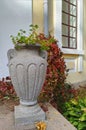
point(41, 125)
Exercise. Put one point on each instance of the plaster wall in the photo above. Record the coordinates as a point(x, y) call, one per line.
point(37, 14)
point(14, 15)
point(51, 16)
point(74, 76)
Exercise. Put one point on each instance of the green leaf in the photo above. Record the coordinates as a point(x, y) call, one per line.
point(83, 109)
point(36, 26)
point(6, 97)
point(74, 102)
point(83, 117)
point(31, 25)
point(72, 113)
point(31, 30)
point(68, 105)
point(82, 126)
point(75, 123)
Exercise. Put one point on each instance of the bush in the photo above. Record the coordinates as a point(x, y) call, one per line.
point(75, 112)
point(63, 94)
point(6, 89)
point(55, 89)
point(81, 91)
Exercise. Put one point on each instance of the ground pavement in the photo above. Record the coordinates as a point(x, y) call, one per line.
point(55, 121)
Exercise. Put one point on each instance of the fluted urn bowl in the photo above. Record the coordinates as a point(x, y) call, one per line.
point(27, 68)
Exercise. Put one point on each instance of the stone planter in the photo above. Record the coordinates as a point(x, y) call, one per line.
point(27, 68)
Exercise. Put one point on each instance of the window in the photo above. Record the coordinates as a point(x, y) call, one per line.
point(68, 28)
point(69, 24)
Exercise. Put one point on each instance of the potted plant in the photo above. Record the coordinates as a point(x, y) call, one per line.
point(27, 67)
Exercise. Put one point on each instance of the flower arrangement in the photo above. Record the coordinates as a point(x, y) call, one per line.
point(33, 38)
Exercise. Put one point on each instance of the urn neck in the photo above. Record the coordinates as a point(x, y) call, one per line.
point(31, 49)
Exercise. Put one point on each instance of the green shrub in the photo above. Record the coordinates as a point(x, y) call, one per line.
point(75, 112)
point(32, 38)
point(63, 94)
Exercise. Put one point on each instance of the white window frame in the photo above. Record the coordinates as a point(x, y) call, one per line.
point(58, 31)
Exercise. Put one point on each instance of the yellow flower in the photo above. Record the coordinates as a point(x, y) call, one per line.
point(41, 125)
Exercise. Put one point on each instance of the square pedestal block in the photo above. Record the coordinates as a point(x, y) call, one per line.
point(28, 114)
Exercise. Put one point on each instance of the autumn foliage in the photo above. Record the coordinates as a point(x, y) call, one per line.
point(6, 89)
point(56, 73)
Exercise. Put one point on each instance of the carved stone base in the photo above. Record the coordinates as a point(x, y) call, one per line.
point(28, 114)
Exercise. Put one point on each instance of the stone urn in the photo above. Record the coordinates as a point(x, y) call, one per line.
point(27, 68)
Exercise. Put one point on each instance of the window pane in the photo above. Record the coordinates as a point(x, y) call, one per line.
point(73, 10)
point(73, 21)
point(65, 30)
point(73, 2)
point(65, 6)
point(69, 23)
point(65, 41)
point(72, 43)
point(65, 18)
point(72, 32)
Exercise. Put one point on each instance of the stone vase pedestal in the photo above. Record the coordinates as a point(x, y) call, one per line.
point(27, 68)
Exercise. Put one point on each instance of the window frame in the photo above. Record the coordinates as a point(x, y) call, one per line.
point(68, 25)
point(58, 31)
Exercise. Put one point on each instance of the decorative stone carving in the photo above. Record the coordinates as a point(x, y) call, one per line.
point(27, 69)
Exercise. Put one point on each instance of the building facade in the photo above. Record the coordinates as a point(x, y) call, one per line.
point(69, 28)
point(65, 19)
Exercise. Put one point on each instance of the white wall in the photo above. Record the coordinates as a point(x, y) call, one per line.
point(14, 15)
